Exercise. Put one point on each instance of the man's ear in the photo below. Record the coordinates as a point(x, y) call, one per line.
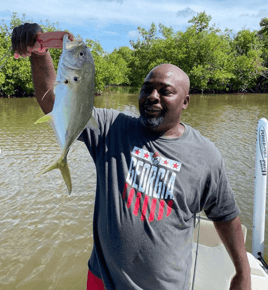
point(186, 102)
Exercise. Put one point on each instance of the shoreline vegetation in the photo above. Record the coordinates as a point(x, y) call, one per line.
point(216, 61)
point(137, 90)
point(196, 92)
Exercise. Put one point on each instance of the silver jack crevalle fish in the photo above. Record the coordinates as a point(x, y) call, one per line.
point(74, 96)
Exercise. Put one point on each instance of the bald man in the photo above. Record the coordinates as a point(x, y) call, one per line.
point(163, 96)
point(154, 174)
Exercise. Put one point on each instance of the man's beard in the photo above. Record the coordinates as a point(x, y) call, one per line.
point(151, 122)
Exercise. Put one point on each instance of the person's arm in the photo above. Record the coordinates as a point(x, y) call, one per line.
point(24, 43)
point(44, 77)
point(43, 71)
point(232, 237)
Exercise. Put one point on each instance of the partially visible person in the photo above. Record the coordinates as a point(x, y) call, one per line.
point(154, 174)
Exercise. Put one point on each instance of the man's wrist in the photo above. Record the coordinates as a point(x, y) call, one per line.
point(35, 55)
point(244, 272)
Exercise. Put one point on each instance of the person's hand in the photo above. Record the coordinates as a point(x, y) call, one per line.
point(240, 283)
point(24, 40)
point(29, 38)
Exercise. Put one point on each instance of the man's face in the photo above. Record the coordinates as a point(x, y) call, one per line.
point(163, 96)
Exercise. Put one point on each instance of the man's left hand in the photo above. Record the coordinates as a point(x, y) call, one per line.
point(240, 283)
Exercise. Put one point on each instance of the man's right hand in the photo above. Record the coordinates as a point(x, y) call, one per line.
point(24, 40)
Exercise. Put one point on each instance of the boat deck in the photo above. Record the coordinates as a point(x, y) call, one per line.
point(214, 267)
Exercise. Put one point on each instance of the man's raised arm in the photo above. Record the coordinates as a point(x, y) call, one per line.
point(24, 43)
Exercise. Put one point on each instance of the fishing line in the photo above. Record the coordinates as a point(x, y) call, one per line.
point(46, 93)
point(54, 86)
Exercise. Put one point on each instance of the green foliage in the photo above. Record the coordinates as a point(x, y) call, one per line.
point(203, 55)
point(147, 53)
point(117, 68)
point(111, 69)
point(167, 32)
point(264, 26)
point(100, 64)
point(15, 75)
point(263, 35)
point(201, 21)
point(16, 78)
point(248, 64)
point(245, 41)
point(214, 60)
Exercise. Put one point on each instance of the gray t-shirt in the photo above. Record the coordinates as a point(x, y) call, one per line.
point(148, 192)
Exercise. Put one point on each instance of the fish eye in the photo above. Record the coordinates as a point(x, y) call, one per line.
point(81, 54)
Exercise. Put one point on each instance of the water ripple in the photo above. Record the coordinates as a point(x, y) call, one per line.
point(45, 234)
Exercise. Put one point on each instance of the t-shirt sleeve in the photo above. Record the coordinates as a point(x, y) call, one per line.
point(220, 205)
point(92, 138)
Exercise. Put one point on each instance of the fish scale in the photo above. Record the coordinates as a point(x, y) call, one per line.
point(74, 97)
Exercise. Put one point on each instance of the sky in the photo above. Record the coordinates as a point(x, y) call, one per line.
point(114, 22)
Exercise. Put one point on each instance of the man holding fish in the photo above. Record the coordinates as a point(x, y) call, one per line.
point(154, 173)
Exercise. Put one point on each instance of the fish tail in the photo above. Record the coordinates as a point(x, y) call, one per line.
point(62, 165)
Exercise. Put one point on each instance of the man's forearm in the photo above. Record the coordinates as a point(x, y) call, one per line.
point(231, 235)
point(44, 77)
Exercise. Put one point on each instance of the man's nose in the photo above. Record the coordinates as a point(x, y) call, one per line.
point(154, 96)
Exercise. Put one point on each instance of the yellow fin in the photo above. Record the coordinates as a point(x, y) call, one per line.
point(62, 165)
point(46, 118)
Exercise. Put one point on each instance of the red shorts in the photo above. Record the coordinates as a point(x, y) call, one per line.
point(94, 282)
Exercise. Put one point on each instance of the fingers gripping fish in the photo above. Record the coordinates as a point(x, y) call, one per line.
point(74, 96)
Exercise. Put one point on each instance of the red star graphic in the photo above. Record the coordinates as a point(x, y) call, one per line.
point(137, 152)
point(146, 155)
point(175, 165)
point(166, 162)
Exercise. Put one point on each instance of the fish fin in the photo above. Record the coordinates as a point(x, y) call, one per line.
point(62, 165)
point(46, 118)
point(93, 125)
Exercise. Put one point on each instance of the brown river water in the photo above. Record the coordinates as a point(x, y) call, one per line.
point(45, 234)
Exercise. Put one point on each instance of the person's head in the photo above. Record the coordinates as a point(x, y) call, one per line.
point(163, 96)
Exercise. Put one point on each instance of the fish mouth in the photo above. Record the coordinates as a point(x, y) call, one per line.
point(67, 44)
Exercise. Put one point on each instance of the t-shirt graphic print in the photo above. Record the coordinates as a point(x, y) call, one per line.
point(153, 176)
